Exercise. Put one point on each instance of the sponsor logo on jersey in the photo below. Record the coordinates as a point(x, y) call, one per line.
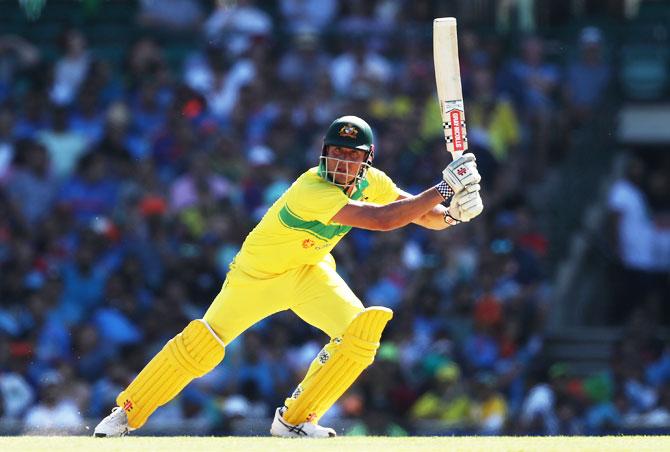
point(297, 392)
point(348, 131)
point(308, 244)
point(323, 356)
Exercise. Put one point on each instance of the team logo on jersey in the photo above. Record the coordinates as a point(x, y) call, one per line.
point(307, 243)
point(348, 131)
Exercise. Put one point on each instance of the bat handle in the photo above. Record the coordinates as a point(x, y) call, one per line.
point(456, 154)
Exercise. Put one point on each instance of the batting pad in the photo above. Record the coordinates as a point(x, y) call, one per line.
point(190, 354)
point(355, 352)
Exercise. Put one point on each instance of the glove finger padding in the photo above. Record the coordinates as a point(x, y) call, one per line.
point(467, 204)
point(467, 199)
point(461, 173)
point(472, 188)
point(471, 208)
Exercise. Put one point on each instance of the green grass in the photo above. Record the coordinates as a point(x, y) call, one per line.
point(346, 444)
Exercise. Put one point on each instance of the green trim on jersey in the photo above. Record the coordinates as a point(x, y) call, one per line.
point(359, 190)
point(316, 228)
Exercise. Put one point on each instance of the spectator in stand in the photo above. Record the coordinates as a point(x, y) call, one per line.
point(71, 69)
point(538, 414)
point(199, 187)
point(172, 143)
point(493, 126)
point(55, 414)
point(148, 108)
point(32, 187)
point(632, 237)
point(118, 144)
point(16, 394)
point(32, 118)
point(304, 62)
point(659, 417)
point(16, 56)
point(299, 15)
point(218, 79)
point(65, 146)
point(358, 71)
point(84, 279)
point(237, 25)
point(87, 118)
point(481, 350)
point(489, 411)
point(91, 192)
point(447, 399)
point(534, 83)
point(587, 79)
point(145, 60)
point(173, 15)
point(356, 18)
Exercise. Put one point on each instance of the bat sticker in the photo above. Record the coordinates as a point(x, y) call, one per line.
point(453, 105)
point(454, 126)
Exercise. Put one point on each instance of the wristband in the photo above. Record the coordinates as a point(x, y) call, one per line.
point(445, 190)
point(451, 221)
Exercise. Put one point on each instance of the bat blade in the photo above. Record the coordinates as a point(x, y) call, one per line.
point(448, 81)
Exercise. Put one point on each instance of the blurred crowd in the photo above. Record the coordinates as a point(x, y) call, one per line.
point(126, 190)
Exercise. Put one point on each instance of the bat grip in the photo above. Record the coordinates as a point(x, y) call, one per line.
point(456, 154)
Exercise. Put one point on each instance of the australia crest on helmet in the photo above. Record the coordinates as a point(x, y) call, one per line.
point(349, 131)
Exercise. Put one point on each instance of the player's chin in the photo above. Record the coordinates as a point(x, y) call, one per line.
point(343, 181)
point(348, 183)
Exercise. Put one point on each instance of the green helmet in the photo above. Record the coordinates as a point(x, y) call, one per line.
point(348, 132)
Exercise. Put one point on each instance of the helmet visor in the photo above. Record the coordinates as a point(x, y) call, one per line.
point(343, 173)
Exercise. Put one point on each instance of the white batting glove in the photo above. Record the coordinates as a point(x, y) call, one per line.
point(465, 205)
point(461, 172)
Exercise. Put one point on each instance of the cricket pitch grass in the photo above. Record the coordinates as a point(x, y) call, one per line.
point(344, 444)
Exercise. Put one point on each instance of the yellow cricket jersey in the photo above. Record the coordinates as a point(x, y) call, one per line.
point(297, 230)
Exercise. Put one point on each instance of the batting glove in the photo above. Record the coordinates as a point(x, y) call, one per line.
point(465, 205)
point(461, 172)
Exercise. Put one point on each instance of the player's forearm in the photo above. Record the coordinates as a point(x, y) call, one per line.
point(404, 211)
point(433, 219)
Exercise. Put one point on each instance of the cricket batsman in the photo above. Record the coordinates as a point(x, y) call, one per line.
point(285, 263)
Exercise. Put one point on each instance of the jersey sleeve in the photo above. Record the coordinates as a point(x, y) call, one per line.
point(382, 189)
point(311, 199)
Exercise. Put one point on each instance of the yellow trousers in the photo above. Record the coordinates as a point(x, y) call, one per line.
point(316, 293)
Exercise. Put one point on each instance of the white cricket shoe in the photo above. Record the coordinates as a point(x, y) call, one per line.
point(305, 430)
point(116, 424)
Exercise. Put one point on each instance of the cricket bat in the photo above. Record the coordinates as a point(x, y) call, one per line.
point(448, 80)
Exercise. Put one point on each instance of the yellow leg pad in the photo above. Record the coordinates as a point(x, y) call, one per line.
point(356, 351)
point(190, 354)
